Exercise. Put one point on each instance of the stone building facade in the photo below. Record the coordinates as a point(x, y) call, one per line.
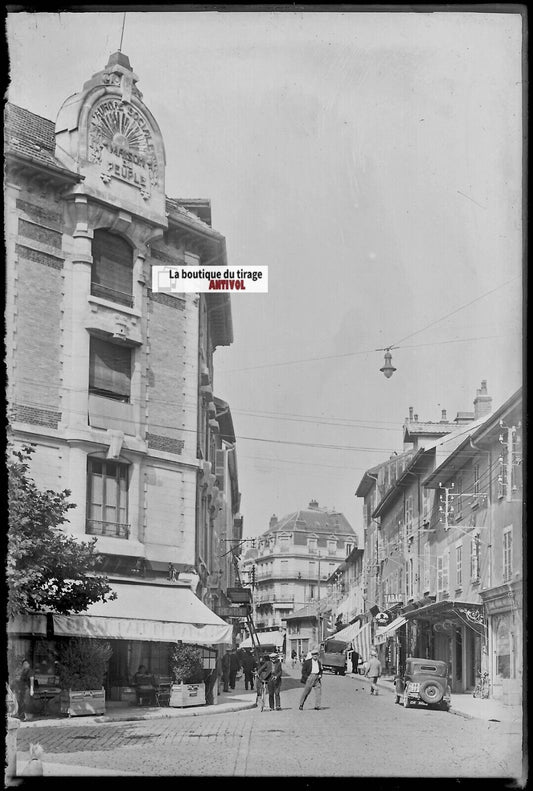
point(112, 382)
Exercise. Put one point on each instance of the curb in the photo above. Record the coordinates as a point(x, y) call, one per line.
point(161, 714)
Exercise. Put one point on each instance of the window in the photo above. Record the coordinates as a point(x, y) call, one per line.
point(443, 566)
point(475, 479)
point(312, 569)
point(507, 553)
point(332, 547)
point(426, 504)
point(439, 575)
point(284, 544)
point(112, 269)
point(312, 544)
point(284, 568)
point(501, 477)
point(445, 571)
point(427, 566)
point(474, 558)
point(107, 498)
point(409, 514)
point(109, 370)
point(458, 565)
point(349, 548)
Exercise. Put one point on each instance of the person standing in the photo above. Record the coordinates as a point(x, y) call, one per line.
point(373, 671)
point(25, 687)
point(234, 667)
point(263, 674)
point(355, 661)
point(226, 661)
point(274, 683)
point(312, 678)
point(294, 657)
point(248, 666)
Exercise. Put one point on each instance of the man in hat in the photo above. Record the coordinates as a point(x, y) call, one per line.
point(312, 678)
point(274, 683)
point(373, 671)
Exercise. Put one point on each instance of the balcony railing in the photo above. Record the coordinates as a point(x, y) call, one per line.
point(94, 527)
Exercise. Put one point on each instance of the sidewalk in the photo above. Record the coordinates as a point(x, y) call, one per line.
point(234, 700)
point(464, 705)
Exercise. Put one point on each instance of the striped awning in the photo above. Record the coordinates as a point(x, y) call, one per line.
point(361, 642)
point(387, 631)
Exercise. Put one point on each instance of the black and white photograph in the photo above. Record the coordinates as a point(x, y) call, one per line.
point(264, 357)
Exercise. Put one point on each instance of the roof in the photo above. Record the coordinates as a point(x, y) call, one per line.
point(370, 478)
point(313, 520)
point(428, 429)
point(181, 208)
point(309, 611)
point(477, 430)
point(31, 137)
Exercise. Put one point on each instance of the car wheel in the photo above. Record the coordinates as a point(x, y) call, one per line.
point(342, 672)
point(430, 692)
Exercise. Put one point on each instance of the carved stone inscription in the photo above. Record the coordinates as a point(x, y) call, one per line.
point(120, 139)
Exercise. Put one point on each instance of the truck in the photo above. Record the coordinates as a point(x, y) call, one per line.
point(332, 654)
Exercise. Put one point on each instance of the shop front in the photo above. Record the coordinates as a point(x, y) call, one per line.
point(390, 641)
point(504, 613)
point(141, 626)
point(453, 632)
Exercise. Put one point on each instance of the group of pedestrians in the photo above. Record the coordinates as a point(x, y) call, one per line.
point(269, 672)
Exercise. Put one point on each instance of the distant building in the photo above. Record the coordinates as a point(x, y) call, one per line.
point(296, 555)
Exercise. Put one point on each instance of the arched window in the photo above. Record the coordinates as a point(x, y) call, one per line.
point(112, 270)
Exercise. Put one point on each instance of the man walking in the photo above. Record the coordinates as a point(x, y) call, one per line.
point(274, 683)
point(312, 678)
point(373, 671)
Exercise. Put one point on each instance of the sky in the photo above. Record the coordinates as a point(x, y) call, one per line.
point(373, 161)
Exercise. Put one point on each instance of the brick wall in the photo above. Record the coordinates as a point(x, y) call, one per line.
point(37, 339)
point(171, 368)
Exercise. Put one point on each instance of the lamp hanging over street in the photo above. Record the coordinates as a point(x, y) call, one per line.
point(387, 369)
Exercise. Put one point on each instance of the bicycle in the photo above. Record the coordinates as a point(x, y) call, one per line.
point(481, 689)
point(262, 696)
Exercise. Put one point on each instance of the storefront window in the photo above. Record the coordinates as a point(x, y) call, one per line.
point(503, 648)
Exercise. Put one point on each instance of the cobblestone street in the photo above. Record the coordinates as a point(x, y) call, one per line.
point(349, 737)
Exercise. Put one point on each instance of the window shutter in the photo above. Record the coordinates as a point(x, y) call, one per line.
point(220, 467)
point(110, 368)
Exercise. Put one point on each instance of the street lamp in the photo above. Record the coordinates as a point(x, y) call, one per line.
point(387, 369)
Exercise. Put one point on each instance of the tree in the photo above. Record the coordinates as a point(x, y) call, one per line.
point(47, 570)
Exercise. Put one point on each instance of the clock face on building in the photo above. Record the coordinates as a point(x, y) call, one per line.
point(120, 139)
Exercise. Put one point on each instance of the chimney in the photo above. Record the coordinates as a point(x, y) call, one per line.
point(410, 414)
point(443, 418)
point(273, 520)
point(416, 418)
point(482, 401)
point(313, 504)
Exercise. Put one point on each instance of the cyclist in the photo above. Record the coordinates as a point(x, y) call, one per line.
point(264, 673)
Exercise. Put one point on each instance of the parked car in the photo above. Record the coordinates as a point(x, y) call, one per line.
point(424, 681)
point(333, 656)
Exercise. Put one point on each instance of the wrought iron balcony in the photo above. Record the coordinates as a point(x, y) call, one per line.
point(95, 527)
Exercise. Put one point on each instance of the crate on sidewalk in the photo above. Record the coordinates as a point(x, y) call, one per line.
point(187, 695)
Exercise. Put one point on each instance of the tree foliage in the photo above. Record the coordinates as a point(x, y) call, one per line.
point(82, 663)
point(186, 664)
point(47, 570)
